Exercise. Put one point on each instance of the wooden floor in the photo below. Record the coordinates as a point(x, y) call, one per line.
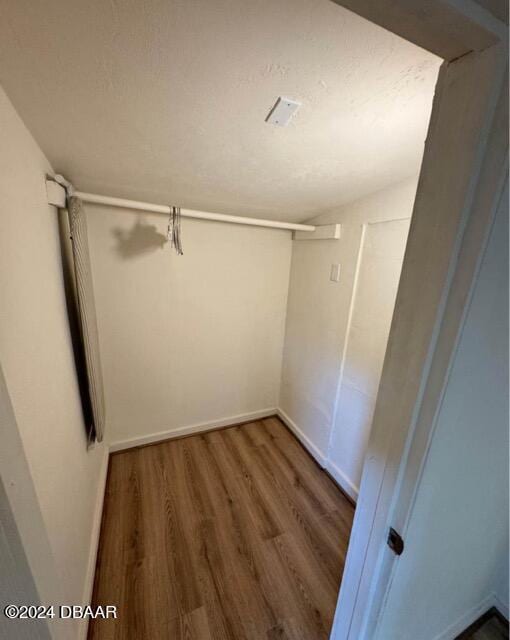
point(493, 629)
point(491, 626)
point(233, 534)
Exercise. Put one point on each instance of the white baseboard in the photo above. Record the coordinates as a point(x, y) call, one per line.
point(501, 606)
point(350, 489)
point(94, 541)
point(315, 451)
point(189, 430)
point(467, 619)
point(346, 485)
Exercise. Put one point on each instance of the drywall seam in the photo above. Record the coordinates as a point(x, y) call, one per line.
point(170, 434)
point(94, 543)
point(346, 337)
point(313, 450)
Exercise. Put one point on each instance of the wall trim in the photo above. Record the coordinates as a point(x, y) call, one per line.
point(94, 541)
point(170, 434)
point(501, 606)
point(468, 618)
point(307, 443)
point(346, 485)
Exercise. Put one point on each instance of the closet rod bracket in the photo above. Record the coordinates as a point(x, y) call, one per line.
point(56, 194)
point(321, 232)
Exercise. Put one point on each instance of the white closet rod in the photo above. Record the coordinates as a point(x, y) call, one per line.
point(190, 213)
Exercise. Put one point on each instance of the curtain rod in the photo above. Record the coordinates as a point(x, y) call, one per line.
point(56, 189)
point(191, 213)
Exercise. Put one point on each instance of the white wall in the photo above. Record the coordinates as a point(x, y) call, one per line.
point(456, 554)
point(187, 340)
point(17, 585)
point(320, 332)
point(37, 360)
point(27, 571)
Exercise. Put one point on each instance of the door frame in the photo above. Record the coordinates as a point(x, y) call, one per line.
point(463, 174)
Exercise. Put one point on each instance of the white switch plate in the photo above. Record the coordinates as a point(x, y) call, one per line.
point(335, 273)
point(282, 112)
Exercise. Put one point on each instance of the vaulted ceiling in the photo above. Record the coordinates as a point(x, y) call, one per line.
point(165, 100)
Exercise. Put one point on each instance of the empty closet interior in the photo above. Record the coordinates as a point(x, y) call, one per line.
point(239, 379)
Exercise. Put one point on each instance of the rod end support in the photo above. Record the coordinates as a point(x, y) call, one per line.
point(56, 194)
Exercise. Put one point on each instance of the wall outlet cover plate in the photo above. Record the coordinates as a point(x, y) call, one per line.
point(282, 112)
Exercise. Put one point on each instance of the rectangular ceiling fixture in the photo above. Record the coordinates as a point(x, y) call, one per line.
point(282, 112)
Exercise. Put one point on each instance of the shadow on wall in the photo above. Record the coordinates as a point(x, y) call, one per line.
point(142, 238)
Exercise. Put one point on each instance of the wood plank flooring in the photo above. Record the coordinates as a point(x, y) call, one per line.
point(229, 535)
point(493, 629)
point(491, 626)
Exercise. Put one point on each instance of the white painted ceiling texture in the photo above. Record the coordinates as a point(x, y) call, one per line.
point(165, 100)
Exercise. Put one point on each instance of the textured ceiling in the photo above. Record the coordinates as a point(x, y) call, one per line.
point(165, 100)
